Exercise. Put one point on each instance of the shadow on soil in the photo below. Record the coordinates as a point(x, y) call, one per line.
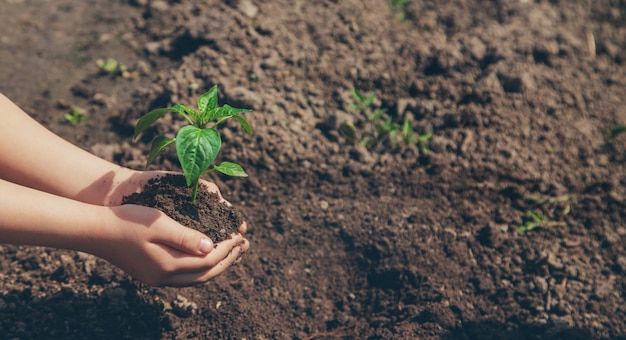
point(113, 313)
point(492, 330)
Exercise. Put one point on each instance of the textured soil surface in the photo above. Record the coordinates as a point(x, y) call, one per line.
point(171, 195)
point(347, 243)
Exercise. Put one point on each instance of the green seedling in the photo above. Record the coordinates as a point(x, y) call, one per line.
point(552, 206)
point(410, 137)
point(537, 220)
point(398, 7)
point(75, 117)
point(618, 130)
point(111, 66)
point(364, 104)
point(380, 129)
point(399, 4)
point(197, 144)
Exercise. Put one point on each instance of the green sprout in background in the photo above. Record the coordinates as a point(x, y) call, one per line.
point(618, 130)
point(197, 144)
point(411, 137)
point(398, 8)
point(556, 206)
point(110, 66)
point(75, 117)
point(380, 129)
point(536, 220)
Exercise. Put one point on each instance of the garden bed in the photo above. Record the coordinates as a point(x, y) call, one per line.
point(347, 243)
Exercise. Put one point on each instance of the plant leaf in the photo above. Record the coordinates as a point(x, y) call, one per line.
point(158, 145)
point(528, 226)
point(369, 100)
point(150, 118)
point(616, 131)
point(228, 110)
point(245, 126)
point(357, 96)
point(197, 149)
point(207, 102)
point(231, 169)
point(537, 218)
point(379, 113)
point(355, 107)
point(406, 128)
point(189, 113)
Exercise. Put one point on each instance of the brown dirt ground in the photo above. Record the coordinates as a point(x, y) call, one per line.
point(346, 243)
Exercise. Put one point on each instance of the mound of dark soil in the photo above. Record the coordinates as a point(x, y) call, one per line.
point(208, 215)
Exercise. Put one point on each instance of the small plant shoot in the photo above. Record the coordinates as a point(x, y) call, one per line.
point(380, 130)
point(75, 117)
point(111, 66)
point(398, 7)
point(197, 144)
point(538, 220)
point(616, 131)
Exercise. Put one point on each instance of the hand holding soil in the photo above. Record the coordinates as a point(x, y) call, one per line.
point(75, 204)
point(157, 250)
point(170, 243)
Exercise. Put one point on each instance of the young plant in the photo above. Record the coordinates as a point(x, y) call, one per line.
point(538, 220)
point(618, 130)
point(111, 66)
point(197, 144)
point(398, 7)
point(363, 105)
point(410, 137)
point(382, 129)
point(75, 117)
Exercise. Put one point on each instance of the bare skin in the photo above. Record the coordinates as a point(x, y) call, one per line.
point(55, 194)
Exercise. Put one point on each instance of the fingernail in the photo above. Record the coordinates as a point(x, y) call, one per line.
point(206, 245)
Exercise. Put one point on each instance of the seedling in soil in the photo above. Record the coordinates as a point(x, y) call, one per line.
point(553, 206)
point(111, 66)
point(537, 220)
point(382, 129)
point(75, 117)
point(197, 144)
point(618, 130)
point(398, 6)
point(411, 137)
point(363, 105)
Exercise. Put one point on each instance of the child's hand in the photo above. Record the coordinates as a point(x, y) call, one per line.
point(156, 250)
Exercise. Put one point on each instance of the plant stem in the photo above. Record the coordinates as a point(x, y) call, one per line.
point(195, 190)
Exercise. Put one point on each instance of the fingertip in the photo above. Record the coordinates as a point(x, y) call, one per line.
point(245, 245)
point(236, 238)
point(206, 245)
point(243, 227)
point(211, 187)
